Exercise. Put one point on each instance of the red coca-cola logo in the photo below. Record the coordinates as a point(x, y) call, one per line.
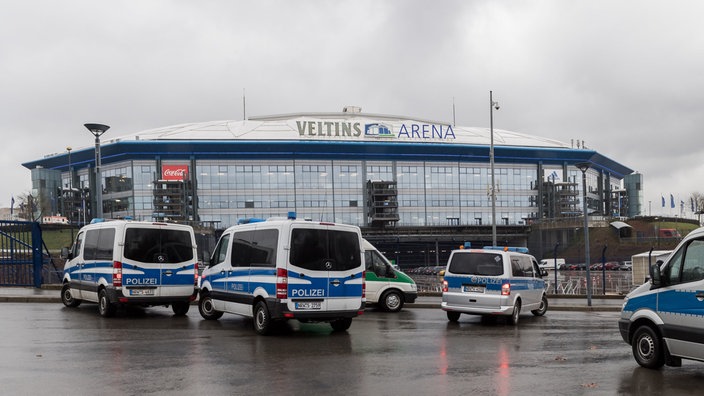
point(174, 172)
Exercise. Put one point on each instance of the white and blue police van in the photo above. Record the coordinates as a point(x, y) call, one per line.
point(663, 319)
point(280, 269)
point(493, 281)
point(124, 262)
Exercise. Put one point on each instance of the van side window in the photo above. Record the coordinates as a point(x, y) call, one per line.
point(693, 265)
point(221, 250)
point(536, 270)
point(106, 242)
point(76, 250)
point(517, 266)
point(255, 248)
point(375, 264)
point(91, 245)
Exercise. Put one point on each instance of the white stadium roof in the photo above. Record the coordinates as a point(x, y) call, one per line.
point(327, 126)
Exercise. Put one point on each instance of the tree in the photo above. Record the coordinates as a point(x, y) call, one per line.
point(28, 207)
point(698, 199)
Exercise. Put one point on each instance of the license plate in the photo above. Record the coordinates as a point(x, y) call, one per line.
point(473, 289)
point(141, 292)
point(308, 305)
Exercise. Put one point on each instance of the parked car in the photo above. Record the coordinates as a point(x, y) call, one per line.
point(626, 266)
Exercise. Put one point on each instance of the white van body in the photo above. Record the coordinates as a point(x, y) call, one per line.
point(549, 264)
point(276, 270)
point(663, 319)
point(121, 262)
point(387, 286)
point(493, 282)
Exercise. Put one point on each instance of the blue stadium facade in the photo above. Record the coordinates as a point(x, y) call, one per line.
point(380, 172)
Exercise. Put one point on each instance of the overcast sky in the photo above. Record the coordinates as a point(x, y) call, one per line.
point(627, 77)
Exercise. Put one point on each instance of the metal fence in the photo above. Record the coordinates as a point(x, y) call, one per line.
point(568, 282)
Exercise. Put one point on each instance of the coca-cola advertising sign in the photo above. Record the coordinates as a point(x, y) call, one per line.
point(174, 172)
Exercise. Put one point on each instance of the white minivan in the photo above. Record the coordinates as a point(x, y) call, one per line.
point(276, 270)
point(123, 262)
point(493, 281)
point(387, 286)
point(663, 319)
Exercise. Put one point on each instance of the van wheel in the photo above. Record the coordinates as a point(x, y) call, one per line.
point(180, 308)
point(105, 307)
point(262, 320)
point(542, 308)
point(513, 319)
point(67, 297)
point(648, 348)
point(392, 301)
point(341, 324)
point(453, 316)
point(206, 309)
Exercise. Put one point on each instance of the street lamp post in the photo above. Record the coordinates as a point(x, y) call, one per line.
point(492, 189)
point(584, 166)
point(71, 206)
point(97, 130)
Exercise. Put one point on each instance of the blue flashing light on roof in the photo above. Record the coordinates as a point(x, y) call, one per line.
point(250, 220)
point(128, 218)
point(97, 220)
point(517, 249)
point(467, 245)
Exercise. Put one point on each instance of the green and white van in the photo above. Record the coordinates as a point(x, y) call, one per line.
point(386, 286)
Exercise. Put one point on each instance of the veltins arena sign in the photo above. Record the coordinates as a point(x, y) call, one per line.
point(375, 130)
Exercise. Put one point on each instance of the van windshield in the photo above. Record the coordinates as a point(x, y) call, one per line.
point(155, 245)
point(314, 248)
point(488, 264)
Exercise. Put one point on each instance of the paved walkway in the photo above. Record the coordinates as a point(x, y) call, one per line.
point(50, 294)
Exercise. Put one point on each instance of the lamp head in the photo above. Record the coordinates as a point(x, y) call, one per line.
point(583, 166)
point(97, 129)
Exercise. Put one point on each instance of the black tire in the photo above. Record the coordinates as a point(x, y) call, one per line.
point(648, 349)
point(515, 315)
point(542, 308)
point(262, 320)
point(453, 316)
point(205, 307)
point(105, 307)
point(341, 324)
point(391, 301)
point(180, 308)
point(67, 297)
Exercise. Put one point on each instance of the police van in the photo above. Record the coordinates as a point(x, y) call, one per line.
point(280, 269)
point(493, 281)
point(387, 286)
point(121, 262)
point(663, 319)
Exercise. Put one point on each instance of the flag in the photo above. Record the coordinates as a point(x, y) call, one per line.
point(681, 206)
point(691, 202)
point(672, 201)
point(663, 201)
point(12, 206)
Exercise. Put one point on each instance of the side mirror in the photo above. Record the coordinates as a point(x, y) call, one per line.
point(543, 272)
point(65, 254)
point(655, 275)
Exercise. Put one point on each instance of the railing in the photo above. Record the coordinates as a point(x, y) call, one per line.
point(568, 283)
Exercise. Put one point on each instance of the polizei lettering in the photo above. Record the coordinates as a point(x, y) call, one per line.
point(307, 293)
point(329, 128)
point(140, 281)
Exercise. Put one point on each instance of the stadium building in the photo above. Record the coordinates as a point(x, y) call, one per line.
point(403, 180)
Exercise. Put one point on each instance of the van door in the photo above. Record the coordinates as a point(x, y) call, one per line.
point(158, 261)
point(97, 261)
point(680, 303)
point(377, 275)
point(325, 271)
point(217, 269)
